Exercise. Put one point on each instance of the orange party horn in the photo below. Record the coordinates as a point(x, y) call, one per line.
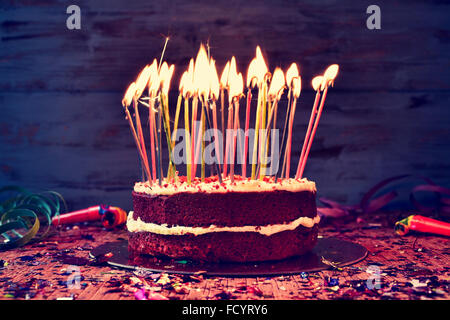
point(110, 216)
point(422, 224)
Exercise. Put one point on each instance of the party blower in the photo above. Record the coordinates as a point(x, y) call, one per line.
point(422, 224)
point(110, 216)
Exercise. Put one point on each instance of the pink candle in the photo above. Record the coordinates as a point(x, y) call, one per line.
point(313, 133)
point(236, 120)
point(247, 124)
point(216, 134)
point(289, 141)
point(151, 120)
point(227, 144)
point(316, 85)
point(194, 118)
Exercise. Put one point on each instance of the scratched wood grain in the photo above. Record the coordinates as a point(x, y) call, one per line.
point(62, 126)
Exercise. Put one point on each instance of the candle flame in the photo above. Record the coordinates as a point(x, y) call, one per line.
point(214, 80)
point(252, 79)
point(201, 73)
point(224, 76)
point(317, 83)
point(142, 81)
point(163, 71)
point(233, 69)
point(154, 82)
point(165, 75)
point(277, 84)
point(235, 87)
point(261, 67)
point(189, 81)
point(129, 94)
point(291, 74)
point(183, 83)
point(331, 73)
point(235, 81)
point(293, 80)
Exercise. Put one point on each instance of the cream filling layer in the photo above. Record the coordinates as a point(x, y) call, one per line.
point(141, 226)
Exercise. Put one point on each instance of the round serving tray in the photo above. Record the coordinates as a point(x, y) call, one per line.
point(340, 253)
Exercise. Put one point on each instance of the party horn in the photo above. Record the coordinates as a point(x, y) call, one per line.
point(422, 224)
point(110, 216)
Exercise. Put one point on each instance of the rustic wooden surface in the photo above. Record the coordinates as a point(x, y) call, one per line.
point(62, 126)
point(412, 267)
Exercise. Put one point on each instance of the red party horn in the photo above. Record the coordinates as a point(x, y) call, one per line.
point(422, 224)
point(110, 216)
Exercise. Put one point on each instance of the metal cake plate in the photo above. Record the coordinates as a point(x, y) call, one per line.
point(342, 253)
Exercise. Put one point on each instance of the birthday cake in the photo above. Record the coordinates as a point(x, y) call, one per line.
point(213, 214)
point(248, 220)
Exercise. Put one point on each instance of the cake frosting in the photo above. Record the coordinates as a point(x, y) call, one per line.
point(214, 186)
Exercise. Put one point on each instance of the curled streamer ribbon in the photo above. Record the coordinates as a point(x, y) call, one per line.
point(27, 216)
point(334, 209)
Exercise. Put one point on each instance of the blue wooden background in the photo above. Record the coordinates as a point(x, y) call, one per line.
point(62, 126)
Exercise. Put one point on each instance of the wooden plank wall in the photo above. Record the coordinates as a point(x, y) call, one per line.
point(62, 125)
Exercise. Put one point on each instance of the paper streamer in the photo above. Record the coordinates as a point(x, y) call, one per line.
point(369, 204)
point(27, 216)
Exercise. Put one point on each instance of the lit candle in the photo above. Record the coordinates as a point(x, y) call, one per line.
point(194, 115)
point(159, 145)
point(236, 89)
point(201, 85)
point(261, 75)
point(275, 92)
point(165, 76)
point(317, 86)
point(153, 87)
point(295, 84)
point(141, 83)
point(251, 83)
point(223, 86)
point(126, 101)
point(214, 93)
point(329, 76)
point(284, 137)
point(186, 89)
point(231, 74)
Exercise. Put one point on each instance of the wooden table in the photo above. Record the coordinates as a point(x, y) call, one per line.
point(411, 267)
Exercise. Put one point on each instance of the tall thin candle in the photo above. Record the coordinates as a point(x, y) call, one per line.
point(294, 82)
point(125, 103)
point(317, 84)
point(328, 79)
point(247, 124)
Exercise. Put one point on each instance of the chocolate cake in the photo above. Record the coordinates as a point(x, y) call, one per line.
point(247, 220)
point(261, 216)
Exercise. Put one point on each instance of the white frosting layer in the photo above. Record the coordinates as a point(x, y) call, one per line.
point(141, 226)
point(244, 185)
